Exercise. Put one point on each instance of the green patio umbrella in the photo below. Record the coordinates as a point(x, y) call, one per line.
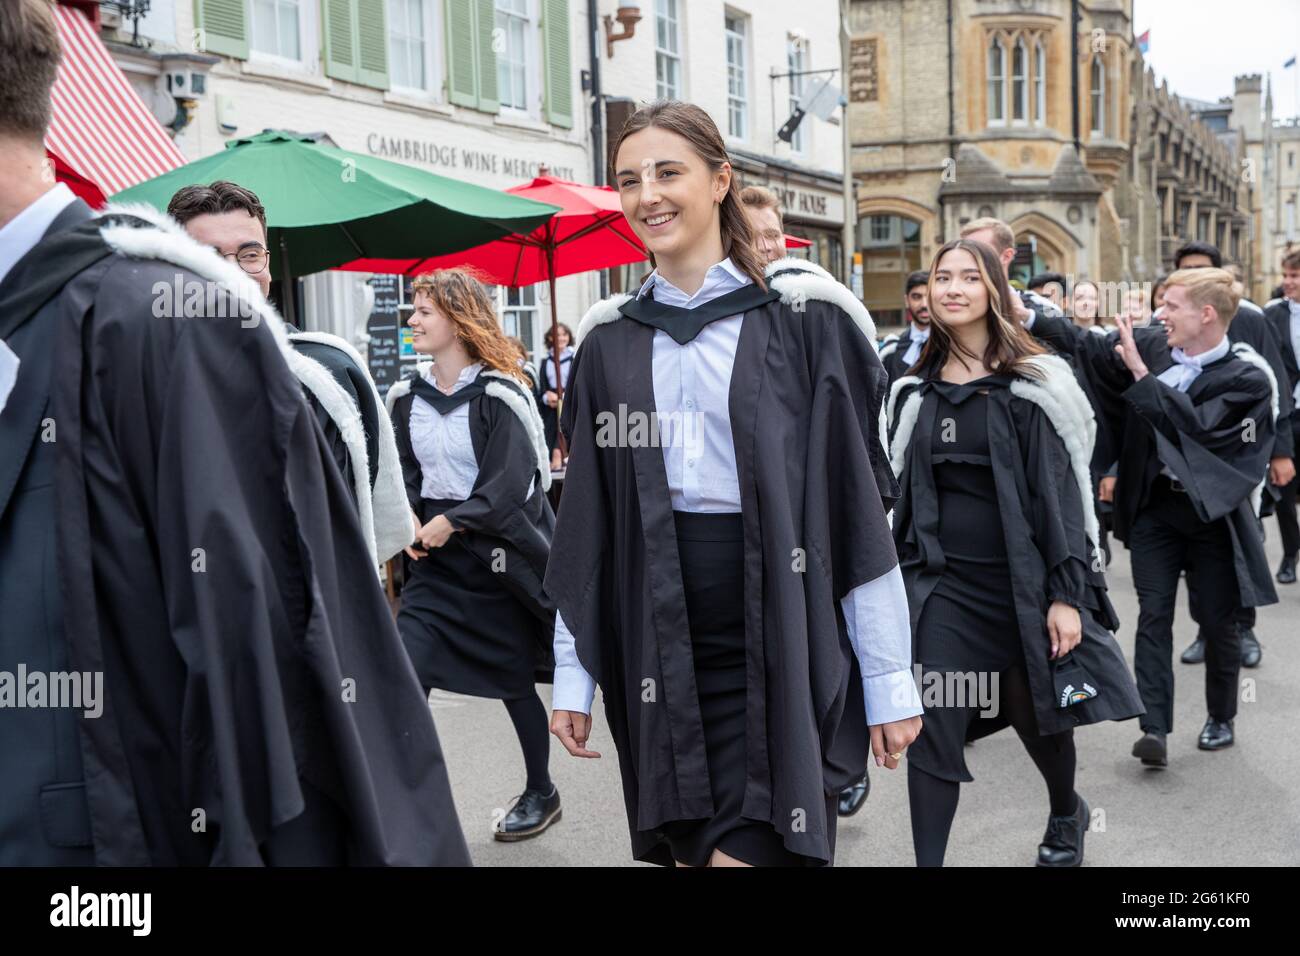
point(326, 206)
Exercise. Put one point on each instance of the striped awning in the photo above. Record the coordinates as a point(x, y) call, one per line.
point(100, 129)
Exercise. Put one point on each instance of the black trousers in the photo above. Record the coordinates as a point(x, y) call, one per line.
point(1166, 538)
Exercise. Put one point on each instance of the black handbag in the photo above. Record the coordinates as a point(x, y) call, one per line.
point(1072, 682)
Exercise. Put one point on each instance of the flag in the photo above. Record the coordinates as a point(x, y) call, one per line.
point(1144, 41)
point(1289, 63)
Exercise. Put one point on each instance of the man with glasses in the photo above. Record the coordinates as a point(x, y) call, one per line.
point(232, 220)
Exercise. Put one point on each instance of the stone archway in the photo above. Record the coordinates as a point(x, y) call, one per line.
point(1057, 246)
point(895, 236)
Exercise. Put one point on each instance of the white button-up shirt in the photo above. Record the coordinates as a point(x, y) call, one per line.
point(442, 443)
point(694, 381)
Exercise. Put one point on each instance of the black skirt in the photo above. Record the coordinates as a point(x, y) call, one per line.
point(712, 552)
point(464, 631)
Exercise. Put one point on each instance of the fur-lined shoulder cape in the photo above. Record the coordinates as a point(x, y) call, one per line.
point(805, 396)
point(212, 566)
point(381, 504)
point(1040, 433)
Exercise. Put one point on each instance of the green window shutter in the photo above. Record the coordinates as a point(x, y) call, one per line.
point(225, 26)
point(340, 39)
point(487, 58)
point(372, 43)
point(559, 66)
point(462, 88)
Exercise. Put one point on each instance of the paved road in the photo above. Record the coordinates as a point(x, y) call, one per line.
point(1239, 807)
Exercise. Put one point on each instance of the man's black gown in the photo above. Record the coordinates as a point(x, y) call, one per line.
point(1199, 435)
point(200, 549)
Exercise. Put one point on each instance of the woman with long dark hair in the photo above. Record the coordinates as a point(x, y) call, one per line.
point(474, 617)
point(722, 564)
point(991, 439)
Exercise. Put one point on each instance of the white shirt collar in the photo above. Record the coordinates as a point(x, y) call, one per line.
point(467, 375)
point(1293, 305)
point(722, 277)
point(22, 232)
point(919, 333)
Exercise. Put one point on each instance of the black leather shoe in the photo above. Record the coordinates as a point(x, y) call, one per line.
point(1215, 735)
point(1063, 842)
point(1151, 749)
point(1250, 650)
point(854, 796)
point(1286, 571)
point(1195, 653)
point(532, 813)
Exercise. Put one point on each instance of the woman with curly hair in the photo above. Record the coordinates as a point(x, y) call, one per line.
point(474, 617)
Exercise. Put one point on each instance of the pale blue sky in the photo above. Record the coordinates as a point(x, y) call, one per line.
point(1200, 45)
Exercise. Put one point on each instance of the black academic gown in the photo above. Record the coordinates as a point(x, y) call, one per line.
point(499, 513)
point(1049, 554)
point(805, 397)
point(1264, 337)
point(352, 379)
point(260, 707)
point(1278, 316)
point(1199, 436)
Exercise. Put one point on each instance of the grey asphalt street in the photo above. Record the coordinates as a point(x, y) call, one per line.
point(1238, 807)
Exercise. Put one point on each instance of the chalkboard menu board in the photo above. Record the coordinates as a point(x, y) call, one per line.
point(385, 326)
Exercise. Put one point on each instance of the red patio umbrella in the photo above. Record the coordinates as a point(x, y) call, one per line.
point(588, 233)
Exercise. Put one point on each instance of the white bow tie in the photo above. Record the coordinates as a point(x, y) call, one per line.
point(1189, 366)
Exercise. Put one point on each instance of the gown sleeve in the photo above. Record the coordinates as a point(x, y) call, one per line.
point(507, 468)
point(1205, 444)
point(1073, 575)
point(857, 483)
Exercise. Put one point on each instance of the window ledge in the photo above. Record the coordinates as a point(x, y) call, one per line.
point(521, 122)
point(993, 131)
point(283, 74)
point(414, 102)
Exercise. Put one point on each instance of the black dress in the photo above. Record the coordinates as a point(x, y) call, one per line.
point(968, 623)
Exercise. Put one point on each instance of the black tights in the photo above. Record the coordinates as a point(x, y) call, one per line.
point(534, 731)
point(933, 801)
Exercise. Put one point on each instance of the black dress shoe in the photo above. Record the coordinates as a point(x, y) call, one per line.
point(1151, 749)
point(854, 796)
point(1195, 653)
point(532, 813)
point(1250, 650)
point(1286, 571)
point(1215, 735)
point(1063, 842)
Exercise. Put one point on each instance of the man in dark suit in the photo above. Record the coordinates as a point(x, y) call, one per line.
point(899, 352)
point(1250, 326)
point(1284, 316)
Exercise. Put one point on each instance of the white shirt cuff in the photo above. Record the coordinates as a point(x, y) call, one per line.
point(879, 623)
point(573, 688)
point(891, 697)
